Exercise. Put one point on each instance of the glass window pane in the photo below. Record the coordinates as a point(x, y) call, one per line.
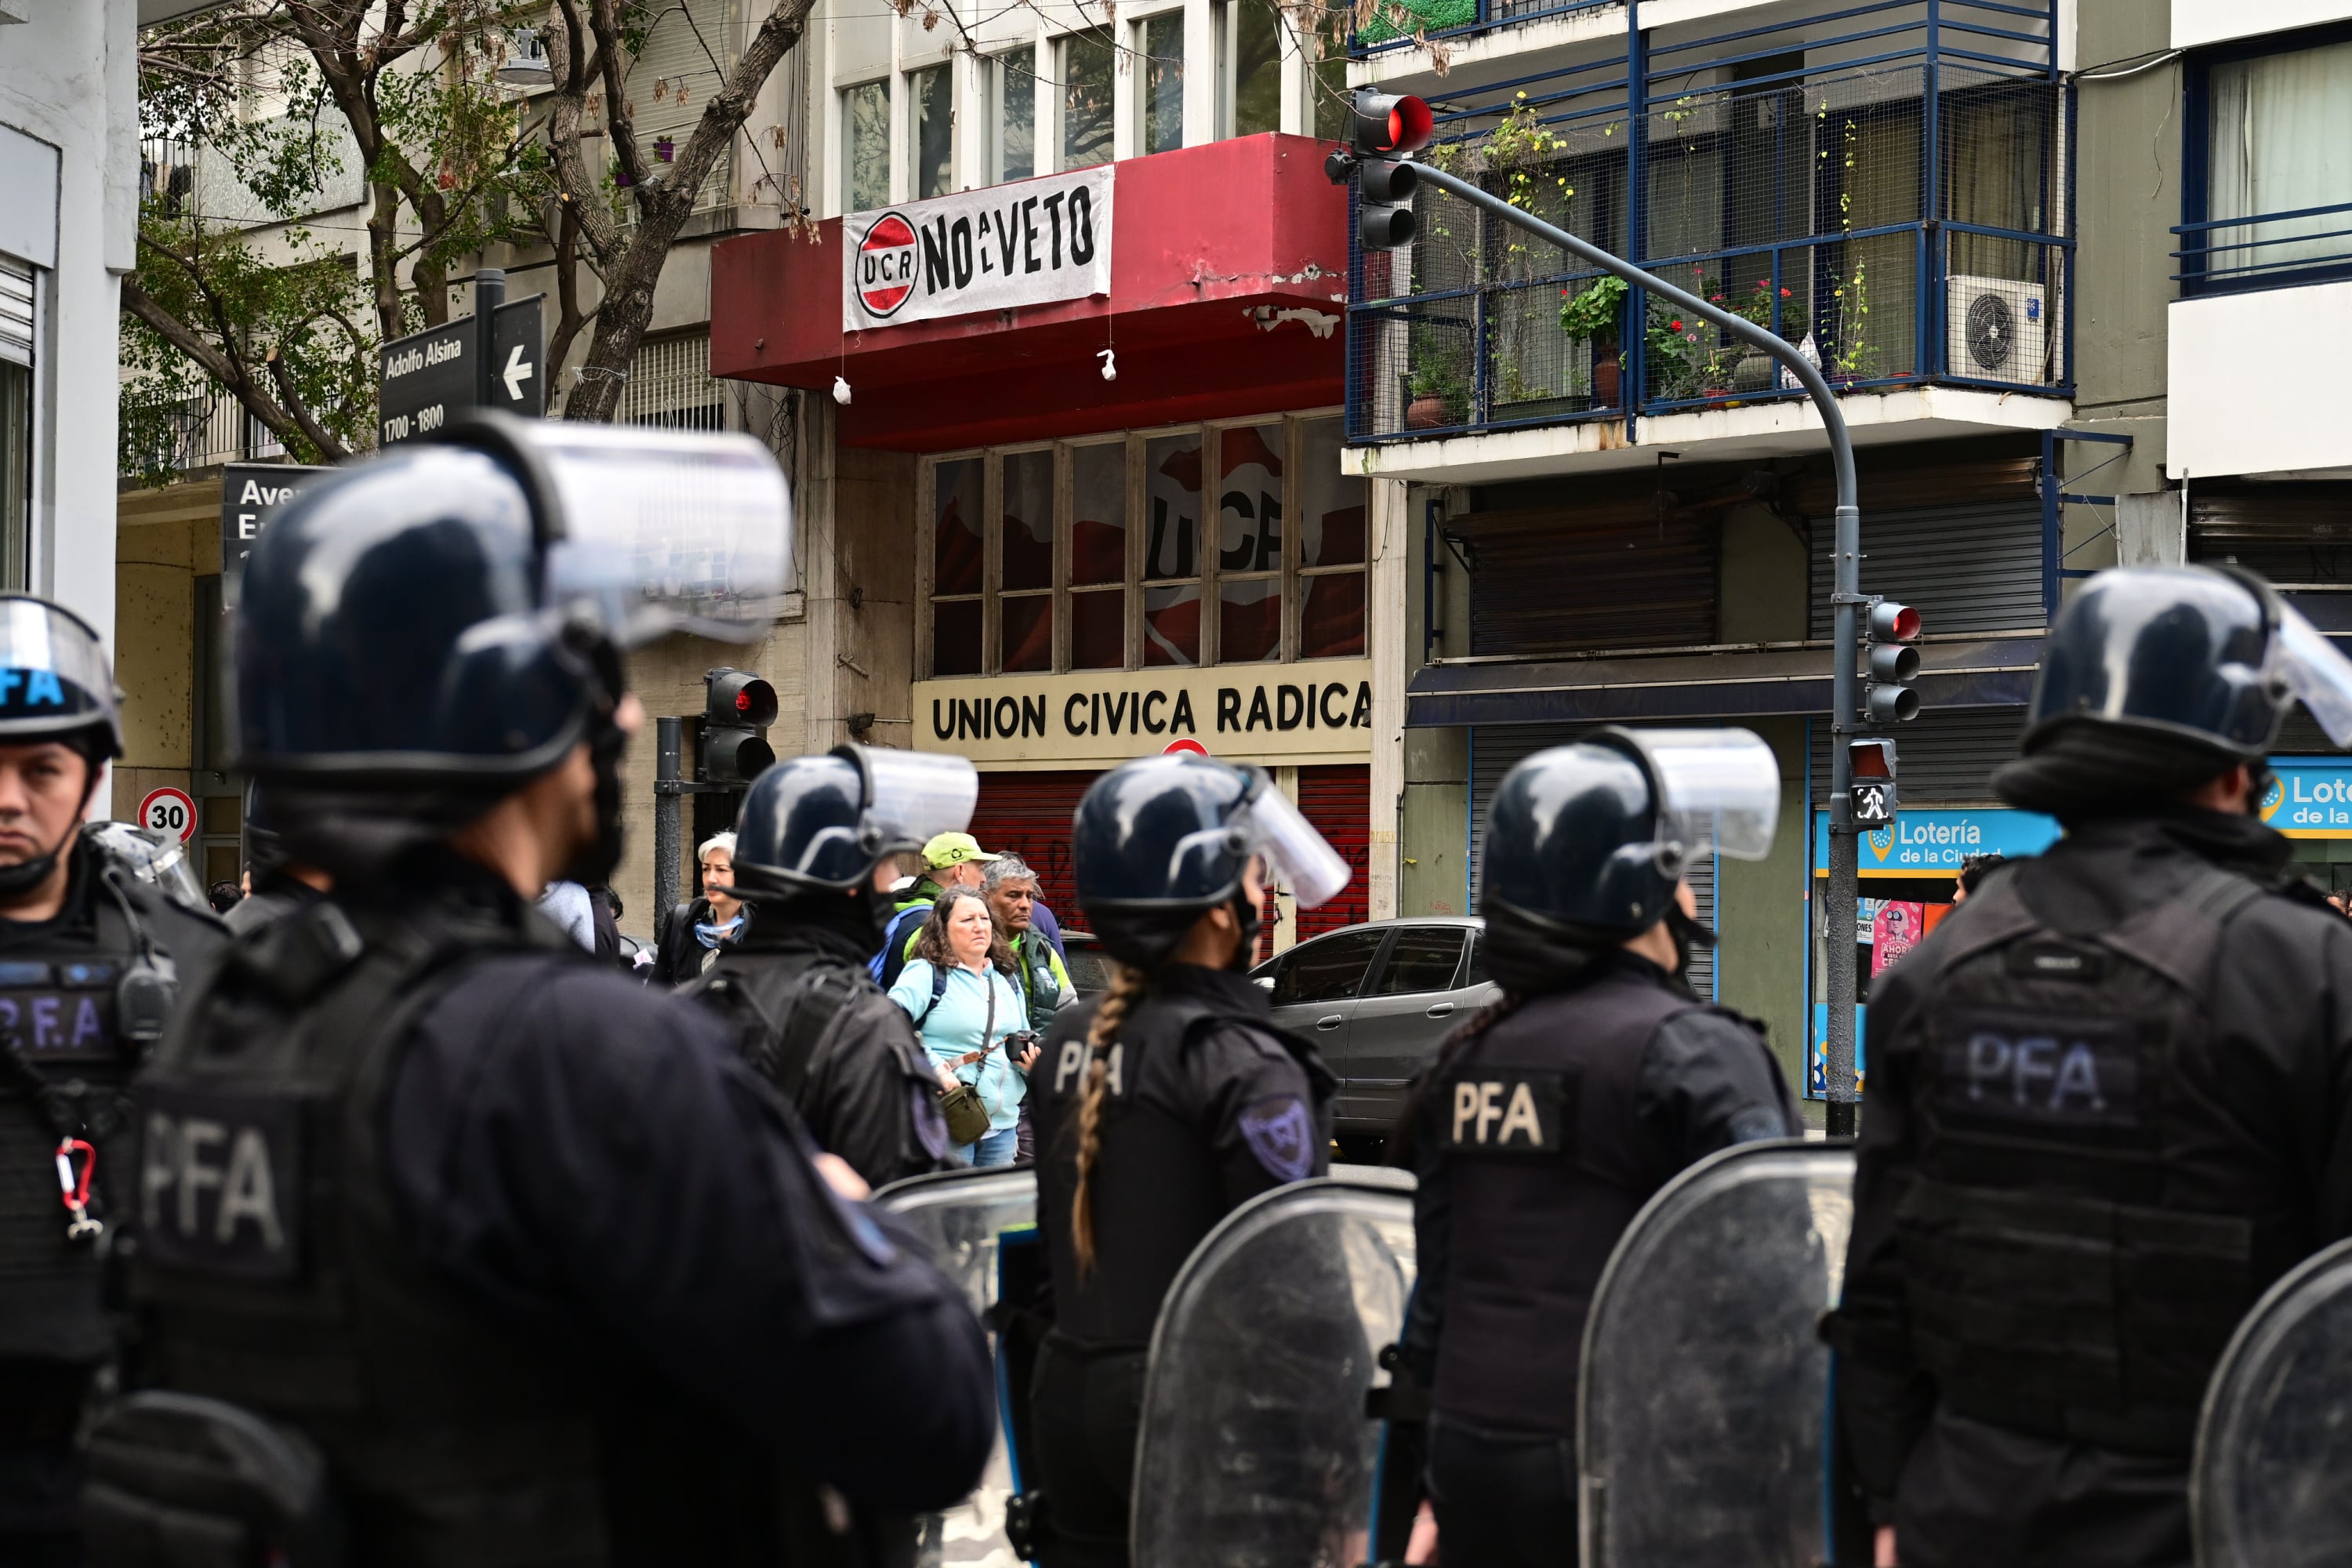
point(1026, 625)
point(1099, 529)
point(866, 147)
point(1423, 959)
point(1249, 501)
point(1012, 84)
point(1332, 532)
point(1086, 61)
point(1172, 501)
point(1098, 630)
point(955, 636)
point(1256, 38)
point(1331, 619)
point(1331, 969)
point(1171, 625)
point(930, 132)
point(1027, 539)
point(1160, 104)
point(1249, 620)
point(2279, 125)
point(955, 527)
point(1478, 974)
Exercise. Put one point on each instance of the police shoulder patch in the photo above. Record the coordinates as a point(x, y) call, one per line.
point(1488, 1109)
point(1280, 1132)
point(2041, 1068)
point(220, 1182)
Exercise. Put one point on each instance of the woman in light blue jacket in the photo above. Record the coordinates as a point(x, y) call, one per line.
point(960, 990)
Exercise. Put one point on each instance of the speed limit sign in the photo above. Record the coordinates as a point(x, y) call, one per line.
point(169, 810)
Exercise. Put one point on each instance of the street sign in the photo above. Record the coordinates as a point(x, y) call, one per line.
point(169, 810)
point(1873, 804)
point(1182, 744)
point(425, 377)
point(251, 495)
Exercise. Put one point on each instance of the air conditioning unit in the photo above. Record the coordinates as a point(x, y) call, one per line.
point(1997, 329)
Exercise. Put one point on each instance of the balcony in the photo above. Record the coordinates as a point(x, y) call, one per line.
point(1894, 204)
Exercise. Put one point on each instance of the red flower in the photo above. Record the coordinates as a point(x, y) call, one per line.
point(1784, 293)
point(1675, 325)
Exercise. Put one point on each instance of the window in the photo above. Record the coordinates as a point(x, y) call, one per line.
point(1101, 558)
point(1331, 556)
point(670, 386)
point(1331, 969)
point(1012, 115)
point(1423, 959)
point(866, 147)
point(1086, 76)
point(1249, 69)
point(956, 560)
point(2277, 131)
point(16, 469)
point(930, 132)
point(1160, 83)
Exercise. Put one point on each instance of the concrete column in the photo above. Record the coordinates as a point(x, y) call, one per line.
point(1385, 637)
point(814, 511)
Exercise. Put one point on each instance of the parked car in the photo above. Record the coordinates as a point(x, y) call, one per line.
point(1377, 999)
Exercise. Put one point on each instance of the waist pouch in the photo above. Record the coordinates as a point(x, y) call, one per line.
point(177, 1481)
point(966, 1112)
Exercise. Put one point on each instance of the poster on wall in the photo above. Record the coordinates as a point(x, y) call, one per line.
point(1032, 242)
point(1895, 930)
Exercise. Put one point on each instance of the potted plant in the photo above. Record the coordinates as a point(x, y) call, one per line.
point(1592, 317)
point(1441, 387)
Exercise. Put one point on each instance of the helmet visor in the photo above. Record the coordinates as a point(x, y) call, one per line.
point(665, 530)
point(913, 796)
point(53, 673)
point(2302, 656)
point(1298, 855)
point(1720, 789)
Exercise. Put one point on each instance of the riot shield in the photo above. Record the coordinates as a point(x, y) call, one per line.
point(976, 1226)
point(1703, 1383)
point(1255, 1450)
point(2267, 1487)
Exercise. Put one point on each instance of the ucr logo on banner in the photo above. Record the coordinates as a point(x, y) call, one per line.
point(886, 265)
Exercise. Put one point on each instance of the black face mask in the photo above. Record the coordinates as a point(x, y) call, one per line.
point(1687, 935)
point(596, 860)
point(1244, 951)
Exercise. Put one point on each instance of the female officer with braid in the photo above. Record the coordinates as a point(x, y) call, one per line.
point(1161, 1107)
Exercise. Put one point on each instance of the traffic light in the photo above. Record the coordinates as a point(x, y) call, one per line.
point(737, 707)
point(1894, 664)
point(1389, 127)
point(1870, 766)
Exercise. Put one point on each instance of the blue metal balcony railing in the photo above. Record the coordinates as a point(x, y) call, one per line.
point(1903, 218)
point(2265, 250)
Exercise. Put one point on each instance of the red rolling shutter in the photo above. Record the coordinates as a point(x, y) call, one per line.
point(1029, 814)
point(1338, 802)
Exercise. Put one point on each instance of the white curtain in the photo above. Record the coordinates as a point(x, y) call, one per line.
point(2281, 142)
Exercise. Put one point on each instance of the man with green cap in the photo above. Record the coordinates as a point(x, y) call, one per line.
point(950, 860)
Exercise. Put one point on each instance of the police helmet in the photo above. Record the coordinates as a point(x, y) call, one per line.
point(1591, 838)
point(446, 615)
point(1173, 835)
point(826, 821)
point(55, 683)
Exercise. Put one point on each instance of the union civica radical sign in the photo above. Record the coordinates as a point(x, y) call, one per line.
point(1035, 242)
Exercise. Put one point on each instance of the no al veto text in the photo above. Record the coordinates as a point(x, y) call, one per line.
point(1313, 706)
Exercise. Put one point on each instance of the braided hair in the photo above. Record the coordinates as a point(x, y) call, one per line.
point(1127, 987)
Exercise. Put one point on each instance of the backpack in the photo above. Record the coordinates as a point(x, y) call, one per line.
point(885, 965)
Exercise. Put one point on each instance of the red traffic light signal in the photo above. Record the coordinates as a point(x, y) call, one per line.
point(1891, 622)
point(1388, 123)
point(737, 706)
point(1893, 663)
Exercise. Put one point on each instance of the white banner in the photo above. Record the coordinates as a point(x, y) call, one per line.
point(1033, 242)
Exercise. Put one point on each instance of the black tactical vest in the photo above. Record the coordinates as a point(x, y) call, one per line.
point(67, 1059)
point(1155, 1186)
point(274, 1273)
point(1537, 1125)
point(2056, 1282)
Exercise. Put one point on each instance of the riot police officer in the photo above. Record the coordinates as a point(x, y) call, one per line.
point(451, 1240)
point(275, 886)
point(1165, 1102)
point(1552, 1116)
point(90, 946)
point(2105, 1103)
point(813, 834)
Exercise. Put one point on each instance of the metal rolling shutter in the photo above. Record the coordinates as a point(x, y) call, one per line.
point(16, 311)
point(1554, 583)
point(2295, 534)
point(1338, 802)
point(1029, 814)
point(1974, 568)
point(1945, 754)
point(1495, 750)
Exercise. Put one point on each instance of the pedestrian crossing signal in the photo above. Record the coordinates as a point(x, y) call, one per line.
point(1870, 767)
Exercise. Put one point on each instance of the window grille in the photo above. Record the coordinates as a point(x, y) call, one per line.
point(670, 386)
